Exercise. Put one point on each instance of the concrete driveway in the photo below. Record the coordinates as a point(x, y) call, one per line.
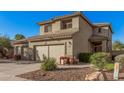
point(8, 71)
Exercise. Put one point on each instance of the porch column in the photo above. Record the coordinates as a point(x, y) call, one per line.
point(69, 48)
point(104, 46)
point(15, 50)
point(22, 52)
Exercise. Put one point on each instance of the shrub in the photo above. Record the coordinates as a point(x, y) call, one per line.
point(48, 64)
point(120, 58)
point(109, 67)
point(99, 60)
point(84, 57)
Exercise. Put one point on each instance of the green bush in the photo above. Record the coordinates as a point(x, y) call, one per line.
point(120, 58)
point(48, 64)
point(99, 60)
point(109, 67)
point(84, 57)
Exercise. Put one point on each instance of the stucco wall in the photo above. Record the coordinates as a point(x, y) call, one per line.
point(104, 46)
point(67, 42)
point(75, 23)
point(105, 31)
point(80, 39)
point(56, 26)
point(117, 52)
point(110, 41)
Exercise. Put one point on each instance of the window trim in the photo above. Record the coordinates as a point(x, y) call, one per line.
point(65, 25)
point(47, 27)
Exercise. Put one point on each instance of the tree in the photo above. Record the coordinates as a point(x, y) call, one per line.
point(5, 42)
point(118, 45)
point(19, 36)
point(5, 45)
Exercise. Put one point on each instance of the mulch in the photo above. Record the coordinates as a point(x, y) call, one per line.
point(66, 74)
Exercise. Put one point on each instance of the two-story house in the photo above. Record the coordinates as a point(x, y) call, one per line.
point(66, 35)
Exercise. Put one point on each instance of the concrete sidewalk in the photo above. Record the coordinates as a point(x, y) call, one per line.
point(75, 66)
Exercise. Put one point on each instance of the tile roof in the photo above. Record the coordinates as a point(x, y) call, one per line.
point(65, 16)
point(51, 36)
point(101, 24)
point(48, 36)
point(22, 41)
point(94, 38)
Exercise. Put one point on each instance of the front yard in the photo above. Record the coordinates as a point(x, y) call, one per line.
point(71, 74)
point(65, 74)
point(50, 71)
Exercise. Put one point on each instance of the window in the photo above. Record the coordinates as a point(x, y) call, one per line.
point(48, 28)
point(66, 24)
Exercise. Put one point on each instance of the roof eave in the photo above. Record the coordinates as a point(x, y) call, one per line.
point(107, 25)
point(43, 39)
point(64, 17)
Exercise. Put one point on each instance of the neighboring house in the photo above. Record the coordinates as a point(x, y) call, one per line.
point(66, 35)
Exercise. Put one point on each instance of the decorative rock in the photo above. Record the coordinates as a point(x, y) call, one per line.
point(95, 76)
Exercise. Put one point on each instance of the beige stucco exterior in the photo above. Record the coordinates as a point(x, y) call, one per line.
point(105, 31)
point(80, 39)
point(56, 26)
point(79, 42)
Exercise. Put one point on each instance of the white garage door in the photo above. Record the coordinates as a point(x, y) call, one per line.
point(57, 51)
point(40, 51)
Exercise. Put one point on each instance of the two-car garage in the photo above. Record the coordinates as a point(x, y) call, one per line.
point(55, 51)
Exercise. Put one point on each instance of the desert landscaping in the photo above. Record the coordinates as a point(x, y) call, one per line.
point(70, 74)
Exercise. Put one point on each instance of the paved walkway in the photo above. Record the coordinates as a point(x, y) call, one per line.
point(8, 71)
point(74, 66)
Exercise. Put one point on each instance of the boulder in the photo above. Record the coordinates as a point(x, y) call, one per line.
point(95, 76)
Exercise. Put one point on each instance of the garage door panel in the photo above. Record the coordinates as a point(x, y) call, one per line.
point(40, 51)
point(56, 51)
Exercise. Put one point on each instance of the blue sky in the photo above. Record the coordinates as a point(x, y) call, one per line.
point(25, 22)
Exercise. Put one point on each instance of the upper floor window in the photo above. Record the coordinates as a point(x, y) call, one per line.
point(66, 24)
point(48, 28)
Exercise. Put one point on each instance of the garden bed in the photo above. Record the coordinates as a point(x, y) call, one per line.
point(66, 74)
